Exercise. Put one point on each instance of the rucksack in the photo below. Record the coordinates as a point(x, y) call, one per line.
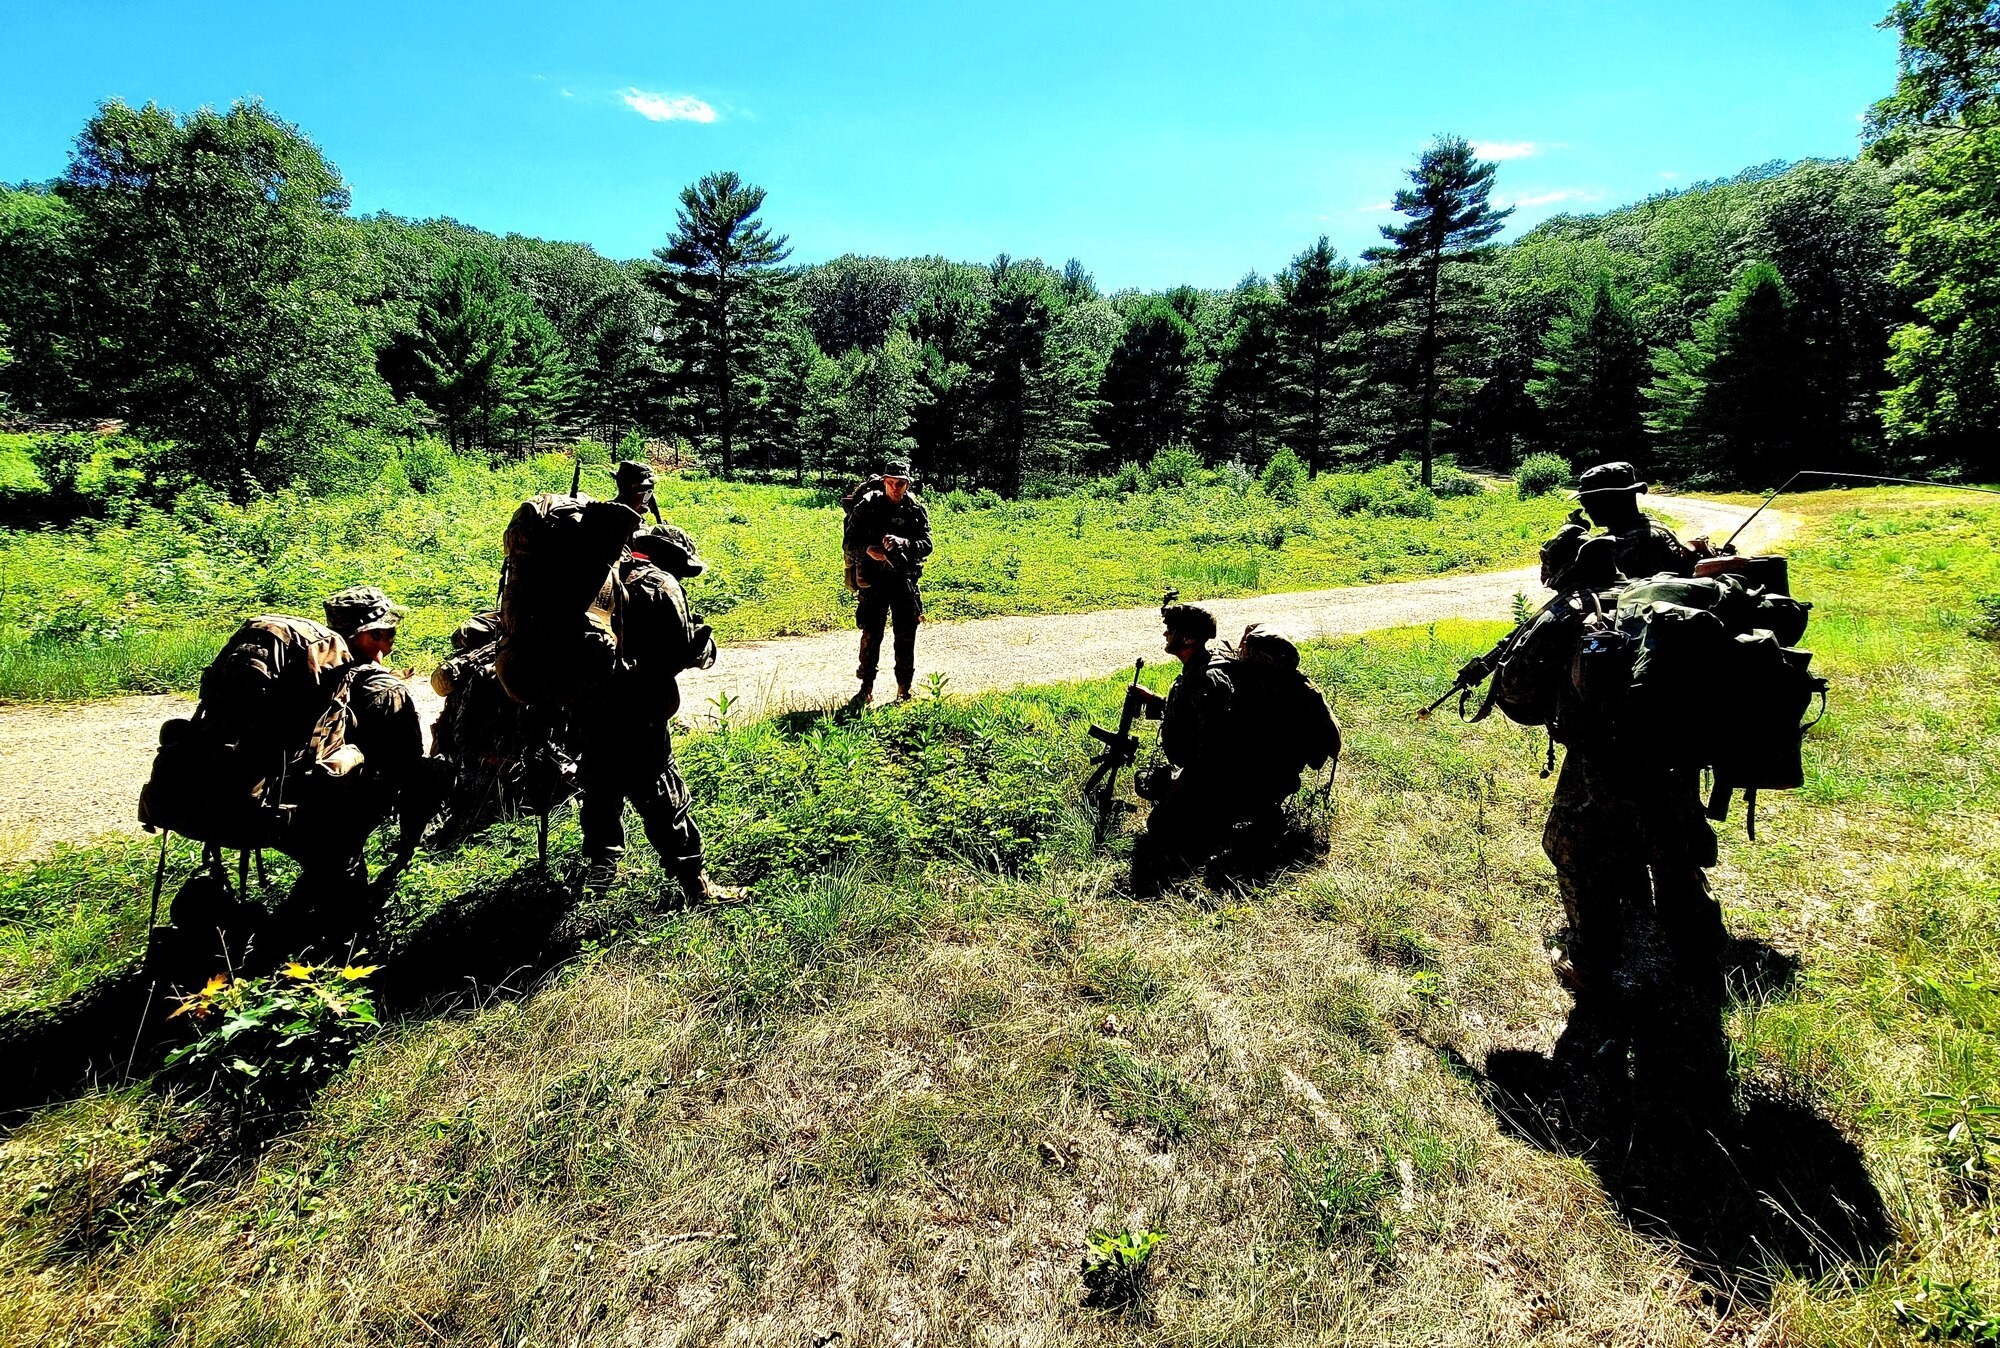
point(1703, 673)
point(860, 492)
point(233, 773)
point(559, 597)
point(1279, 726)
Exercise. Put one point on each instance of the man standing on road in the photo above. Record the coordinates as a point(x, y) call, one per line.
point(1609, 497)
point(1193, 806)
point(888, 533)
point(625, 730)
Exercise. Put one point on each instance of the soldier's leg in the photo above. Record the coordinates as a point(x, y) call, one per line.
point(871, 612)
point(601, 779)
point(1591, 838)
point(665, 809)
point(909, 610)
point(1679, 847)
point(1179, 838)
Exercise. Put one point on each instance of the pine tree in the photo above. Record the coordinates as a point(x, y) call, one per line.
point(1239, 415)
point(1590, 376)
point(1010, 350)
point(716, 272)
point(548, 382)
point(1451, 222)
point(1730, 401)
point(466, 333)
point(1316, 347)
point(1144, 392)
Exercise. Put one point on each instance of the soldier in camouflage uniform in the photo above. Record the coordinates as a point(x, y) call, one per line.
point(1626, 835)
point(625, 731)
point(330, 838)
point(888, 534)
point(635, 488)
point(1194, 805)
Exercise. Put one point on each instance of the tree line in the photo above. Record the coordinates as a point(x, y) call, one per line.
point(202, 278)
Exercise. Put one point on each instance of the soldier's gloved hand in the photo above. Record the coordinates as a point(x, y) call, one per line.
point(1144, 700)
point(878, 554)
point(894, 542)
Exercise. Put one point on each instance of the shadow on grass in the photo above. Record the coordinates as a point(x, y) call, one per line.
point(497, 940)
point(1638, 1087)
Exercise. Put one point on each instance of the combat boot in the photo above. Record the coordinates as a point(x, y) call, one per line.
point(902, 692)
point(863, 695)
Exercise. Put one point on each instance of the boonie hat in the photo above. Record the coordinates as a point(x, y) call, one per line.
point(897, 468)
point(632, 473)
point(669, 547)
point(361, 608)
point(1610, 477)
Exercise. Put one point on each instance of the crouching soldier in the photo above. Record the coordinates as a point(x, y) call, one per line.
point(379, 769)
point(1193, 805)
point(625, 734)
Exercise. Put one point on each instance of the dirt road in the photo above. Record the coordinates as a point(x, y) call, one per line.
point(70, 772)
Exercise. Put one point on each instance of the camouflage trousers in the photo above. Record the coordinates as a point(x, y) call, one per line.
point(1190, 826)
point(623, 759)
point(886, 595)
point(1627, 844)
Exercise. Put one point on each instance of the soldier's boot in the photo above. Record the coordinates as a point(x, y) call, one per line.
point(903, 691)
point(862, 695)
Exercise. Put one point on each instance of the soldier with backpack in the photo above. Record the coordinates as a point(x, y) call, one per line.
point(379, 769)
point(624, 728)
point(1193, 804)
point(886, 537)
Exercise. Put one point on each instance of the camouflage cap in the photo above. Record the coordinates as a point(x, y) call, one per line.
point(361, 608)
point(669, 547)
point(897, 468)
point(633, 476)
point(1617, 476)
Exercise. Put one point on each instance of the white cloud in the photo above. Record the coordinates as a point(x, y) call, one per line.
point(668, 107)
point(1377, 207)
point(1506, 149)
point(1551, 198)
point(1668, 175)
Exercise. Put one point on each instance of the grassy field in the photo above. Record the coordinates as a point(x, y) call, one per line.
point(140, 601)
point(897, 1095)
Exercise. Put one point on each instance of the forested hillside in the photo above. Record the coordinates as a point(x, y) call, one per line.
point(202, 278)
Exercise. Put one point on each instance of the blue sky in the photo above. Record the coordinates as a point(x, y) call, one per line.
point(1162, 143)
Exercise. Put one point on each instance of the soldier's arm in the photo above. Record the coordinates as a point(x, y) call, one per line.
point(920, 533)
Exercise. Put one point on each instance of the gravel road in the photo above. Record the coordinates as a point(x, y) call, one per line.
point(69, 772)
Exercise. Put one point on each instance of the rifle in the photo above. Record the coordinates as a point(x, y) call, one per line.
point(1121, 749)
point(1478, 670)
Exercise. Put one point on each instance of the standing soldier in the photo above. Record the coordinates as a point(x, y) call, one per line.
point(1193, 805)
point(625, 731)
point(1626, 835)
point(888, 534)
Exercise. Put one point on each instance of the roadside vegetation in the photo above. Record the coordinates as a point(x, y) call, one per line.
point(135, 591)
point(938, 1079)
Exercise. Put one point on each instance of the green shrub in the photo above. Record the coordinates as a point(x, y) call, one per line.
point(1448, 479)
point(1284, 476)
point(427, 463)
point(1114, 1267)
point(1542, 473)
point(1391, 490)
point(1130, 477)
point(266, 1044)
point(1174, 466)
point(90, 473)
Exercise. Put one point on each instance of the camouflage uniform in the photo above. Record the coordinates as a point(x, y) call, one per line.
point(889, 587)
point(1191, 820)
point(626, 737)
point(1626, 834)
point(337, 816)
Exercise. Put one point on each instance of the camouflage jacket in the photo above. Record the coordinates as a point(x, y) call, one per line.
point(876, 517)
point(1194, 726)
point(1649, 548)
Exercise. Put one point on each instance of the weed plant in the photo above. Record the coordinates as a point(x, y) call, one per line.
point(911, 1090)
point(140, 600)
